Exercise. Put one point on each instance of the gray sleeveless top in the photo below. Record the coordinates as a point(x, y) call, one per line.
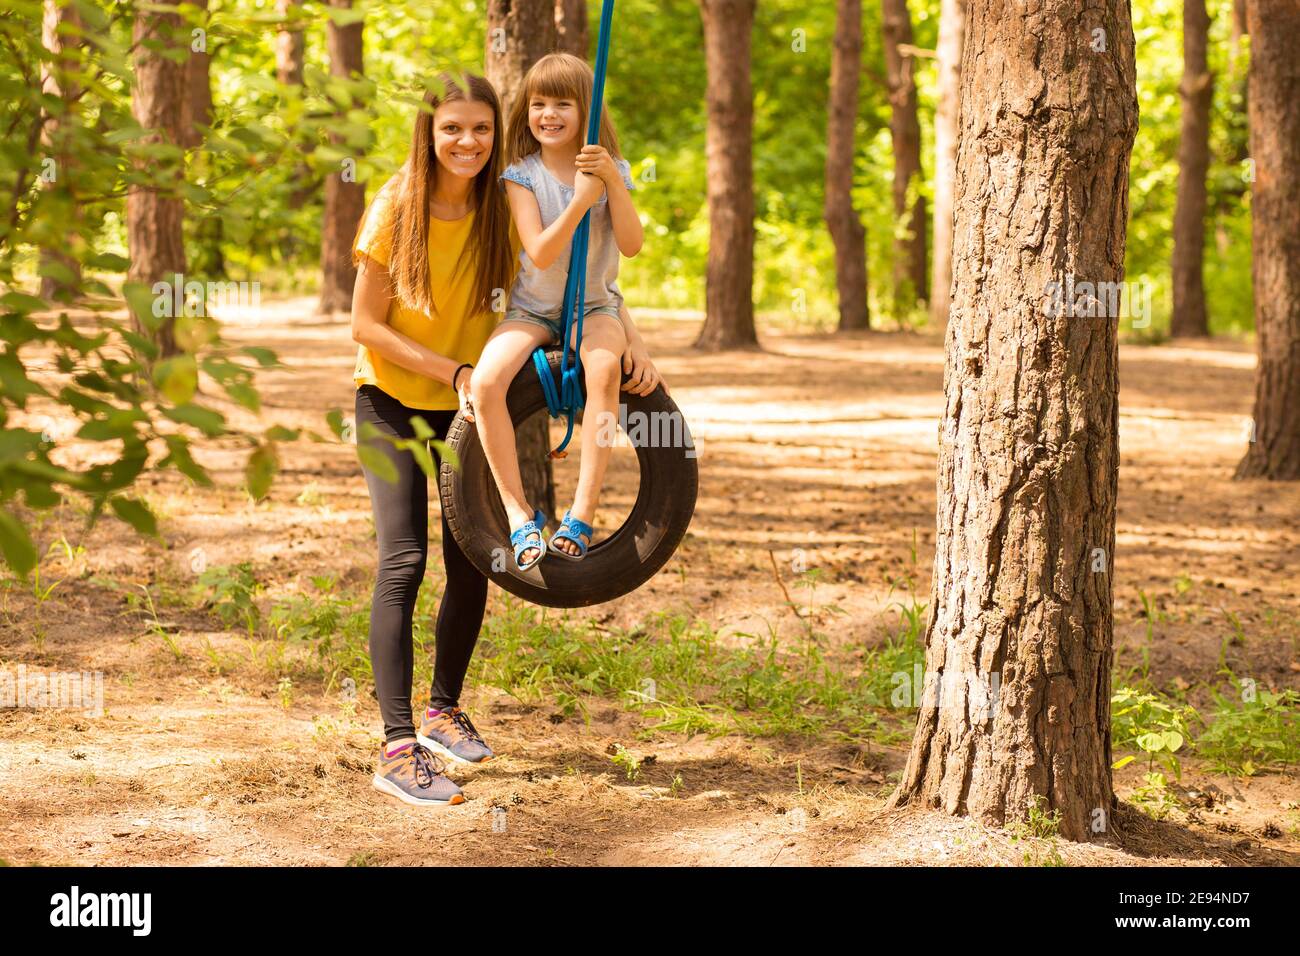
point(541, 291)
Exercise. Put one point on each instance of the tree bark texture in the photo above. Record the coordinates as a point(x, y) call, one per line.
point(952, 32)
point(911, 278)
point(345, 200)
point(1196, 93)
point(1274, 116)
point(1015, 703)
point(154, 215)
point(729, 151)
point(843, 222)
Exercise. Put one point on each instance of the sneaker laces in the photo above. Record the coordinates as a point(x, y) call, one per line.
point(461, 720)
point(427, 765)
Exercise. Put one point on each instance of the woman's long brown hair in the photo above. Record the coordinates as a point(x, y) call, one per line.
point(488, 251)
point(560, 75)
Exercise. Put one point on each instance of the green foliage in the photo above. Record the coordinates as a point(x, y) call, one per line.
point(1252, 730)
point(1149, 723)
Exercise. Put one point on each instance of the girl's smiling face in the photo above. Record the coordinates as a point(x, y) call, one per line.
point(463, 134)
point(554, 120)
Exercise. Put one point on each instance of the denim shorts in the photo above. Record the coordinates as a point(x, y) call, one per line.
point(554, 325)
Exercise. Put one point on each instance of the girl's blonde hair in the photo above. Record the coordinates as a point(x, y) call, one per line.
point(560, 75)
point(488, 250)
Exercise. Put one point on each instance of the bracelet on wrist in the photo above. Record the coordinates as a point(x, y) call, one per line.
point(456, 374)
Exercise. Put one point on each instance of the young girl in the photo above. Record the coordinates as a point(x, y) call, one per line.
point(552, 181)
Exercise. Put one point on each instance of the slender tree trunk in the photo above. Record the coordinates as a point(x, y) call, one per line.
point(952, 31)
point(60, 267)
point(196, 116)
point(519, 33)
point(842, 220)
point(345, 198)
point(1237, 30)
point(290, 47)
point(571, 26)
point(1196, 93)
point(1015, 708)
point(729, 318)
point(154, 215)
point(1275, 238)
point(911, 278)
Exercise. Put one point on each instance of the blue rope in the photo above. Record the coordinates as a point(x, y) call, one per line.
point(569, 398)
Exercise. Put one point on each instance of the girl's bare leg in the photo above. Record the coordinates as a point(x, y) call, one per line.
point(503, 356)
point(603, 344)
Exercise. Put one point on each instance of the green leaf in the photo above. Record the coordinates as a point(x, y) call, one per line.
point(260, 471)
point(1122, 762)
point(265, 357)
point(22, 302)
point(16, 543)
point(177, 378)
point(377, 461)
point(208, 421)
point(136, 514)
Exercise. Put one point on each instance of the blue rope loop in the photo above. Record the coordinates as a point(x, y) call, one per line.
point(569, 397)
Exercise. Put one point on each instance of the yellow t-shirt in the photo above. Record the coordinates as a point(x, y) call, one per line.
point(455, 330)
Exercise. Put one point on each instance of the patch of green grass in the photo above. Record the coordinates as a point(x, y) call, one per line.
point(1252, 730)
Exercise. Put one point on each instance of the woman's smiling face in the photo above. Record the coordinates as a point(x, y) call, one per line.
point(463, 133)
point(554, 120)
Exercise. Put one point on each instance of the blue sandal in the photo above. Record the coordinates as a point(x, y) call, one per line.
point(570, 530)
point(520, 539)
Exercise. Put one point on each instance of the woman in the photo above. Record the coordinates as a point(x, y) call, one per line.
point(435, 255)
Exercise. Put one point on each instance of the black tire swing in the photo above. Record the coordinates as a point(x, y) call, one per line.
point(669, 483)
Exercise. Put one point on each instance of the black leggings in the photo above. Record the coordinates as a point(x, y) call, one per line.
point(401, 512)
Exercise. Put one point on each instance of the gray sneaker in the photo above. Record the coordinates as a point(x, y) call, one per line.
point(452, 734)
point(414, 775)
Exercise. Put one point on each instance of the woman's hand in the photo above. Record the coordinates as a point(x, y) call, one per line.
point(587, 190)
point(643, 377)
point(596, 160)
point(466, 399)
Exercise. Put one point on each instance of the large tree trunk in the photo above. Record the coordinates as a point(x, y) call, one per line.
point(952, 31)
point(911, 278)
point(60, 266)
point(345, 198)
point(571, 26)
point(154, 216)
point(729, 317)
point(521, 32)
point(1028, 455)
point(1196, 93)
point(1275, 238)
point(842, 220)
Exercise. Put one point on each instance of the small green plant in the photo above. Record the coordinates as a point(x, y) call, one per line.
point(159, 630)
point(677, 786)
point(364, 858)
point(285, 690)
point(1154, 797)
point(1252, 730)
point(1150, 724)
point(1038, 832)
point(233, 595)
point(626, 761)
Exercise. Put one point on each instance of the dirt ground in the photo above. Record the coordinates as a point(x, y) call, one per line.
point(821, 444)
